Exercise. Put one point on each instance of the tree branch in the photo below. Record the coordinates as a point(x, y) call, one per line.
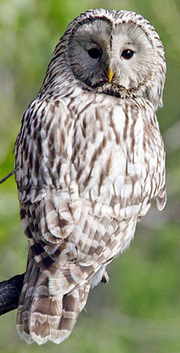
point(10, 291)
point(9, 175)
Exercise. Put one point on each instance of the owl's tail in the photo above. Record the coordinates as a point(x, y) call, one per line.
point(41, 316)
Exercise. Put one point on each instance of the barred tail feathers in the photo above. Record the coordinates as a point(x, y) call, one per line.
point(41, 316)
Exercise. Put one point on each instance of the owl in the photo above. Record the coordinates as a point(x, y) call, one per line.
point(89, 160)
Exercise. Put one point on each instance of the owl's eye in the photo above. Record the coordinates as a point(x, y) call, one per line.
point(127, 54)
point(95, 53)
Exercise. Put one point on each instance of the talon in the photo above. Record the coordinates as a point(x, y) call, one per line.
point(105, 278)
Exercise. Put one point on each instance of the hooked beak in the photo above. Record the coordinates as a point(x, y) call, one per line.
point(110, 74)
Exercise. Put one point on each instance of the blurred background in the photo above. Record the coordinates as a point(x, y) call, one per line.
point(139, 310)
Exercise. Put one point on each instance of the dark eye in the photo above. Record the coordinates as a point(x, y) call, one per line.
point(94, 53)
point(127, 54)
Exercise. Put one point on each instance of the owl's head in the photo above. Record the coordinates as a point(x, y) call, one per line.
point(114, 52)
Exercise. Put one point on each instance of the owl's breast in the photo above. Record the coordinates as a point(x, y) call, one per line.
point(109, 159)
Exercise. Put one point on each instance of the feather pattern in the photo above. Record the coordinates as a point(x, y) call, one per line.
point(90, 159)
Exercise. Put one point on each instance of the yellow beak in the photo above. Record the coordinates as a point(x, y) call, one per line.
point(110, 74)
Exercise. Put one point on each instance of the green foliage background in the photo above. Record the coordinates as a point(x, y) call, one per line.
point(139, 310)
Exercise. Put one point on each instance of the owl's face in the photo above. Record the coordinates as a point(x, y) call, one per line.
point(118, 53)
point(112, 54)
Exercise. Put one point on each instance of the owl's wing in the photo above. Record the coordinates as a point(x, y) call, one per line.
point(63, 235)
point(155, 161)
point(42, 157)
point(161, 199)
